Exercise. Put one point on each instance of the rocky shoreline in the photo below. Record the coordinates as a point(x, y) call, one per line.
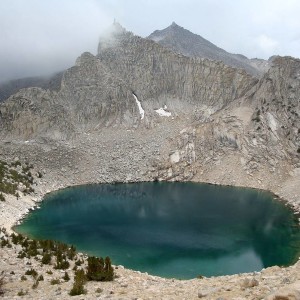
point(269, 283)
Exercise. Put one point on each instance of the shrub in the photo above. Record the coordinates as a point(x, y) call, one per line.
point(23, 278)
point(79, 262)
point(2, 198)
point(35, 285)
point(17, 238)
point(4, 243)
point(78, 285)
point(61, 262)
point(46, 259)
point(1, 284)
point(66, 277)
point(40, 278)
point(99, 269)
point(25, 243)
point(22, 293)
point(71, 252)
point(21, 254)
point(54, 281)
point(31, 272)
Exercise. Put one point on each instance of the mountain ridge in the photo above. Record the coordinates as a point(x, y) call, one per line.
point(187, 43)
point(254, 67)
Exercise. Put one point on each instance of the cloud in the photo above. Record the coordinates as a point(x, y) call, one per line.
point(39, 37)
point(266, 44)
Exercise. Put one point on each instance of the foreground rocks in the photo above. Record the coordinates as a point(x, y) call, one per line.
point(271, 283)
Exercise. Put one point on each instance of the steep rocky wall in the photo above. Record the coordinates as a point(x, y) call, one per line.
point(277, 104)
point(32, 112)
point(159, 76)
point(90, 98)
point(95, 97)
point(257, 137)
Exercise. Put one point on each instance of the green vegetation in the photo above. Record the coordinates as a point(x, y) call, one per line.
point(35, 284)
point(1, 284)
point(2, 198)
point(61, 261)
point(79, 262)
point(78, 285)
point(22, 293)
point(23, 278)
point(66, 277)
point(40, 278)
point(46, 259)
point(99, 269)
point(31, 272)
point(55, 281)
point(13, 175)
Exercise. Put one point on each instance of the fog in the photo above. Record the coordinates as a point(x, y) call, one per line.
point(42, 37)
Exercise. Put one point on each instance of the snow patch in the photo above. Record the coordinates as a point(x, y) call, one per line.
point(175, 157)
point(162, 112)
point(272, 122)
point(141, 110)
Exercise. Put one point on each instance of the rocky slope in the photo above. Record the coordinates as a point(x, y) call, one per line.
point(100, 91)
point(187, 43)
point(270, 284)
point(138, 111)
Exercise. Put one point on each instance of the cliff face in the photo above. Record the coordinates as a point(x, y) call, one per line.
point(255, 139)
point(277, 105)
point(90, 97)
point(161, 77)
point(100, 91)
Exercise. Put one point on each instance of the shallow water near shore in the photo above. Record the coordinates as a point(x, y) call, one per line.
point(178, 230)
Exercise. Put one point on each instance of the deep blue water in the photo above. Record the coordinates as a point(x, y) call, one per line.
point(176, 230)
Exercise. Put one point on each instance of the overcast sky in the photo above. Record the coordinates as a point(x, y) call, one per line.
point(43, 36)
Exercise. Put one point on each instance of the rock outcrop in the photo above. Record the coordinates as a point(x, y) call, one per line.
point(100, 91)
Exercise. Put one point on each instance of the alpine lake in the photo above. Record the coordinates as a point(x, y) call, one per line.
point(174, 230)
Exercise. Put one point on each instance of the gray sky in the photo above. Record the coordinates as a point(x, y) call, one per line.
point(43, 36)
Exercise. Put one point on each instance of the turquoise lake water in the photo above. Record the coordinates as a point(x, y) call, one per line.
point(178, 230)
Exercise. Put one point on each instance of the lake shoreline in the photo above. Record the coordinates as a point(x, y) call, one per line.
point(269, 279)
point(142, 201)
